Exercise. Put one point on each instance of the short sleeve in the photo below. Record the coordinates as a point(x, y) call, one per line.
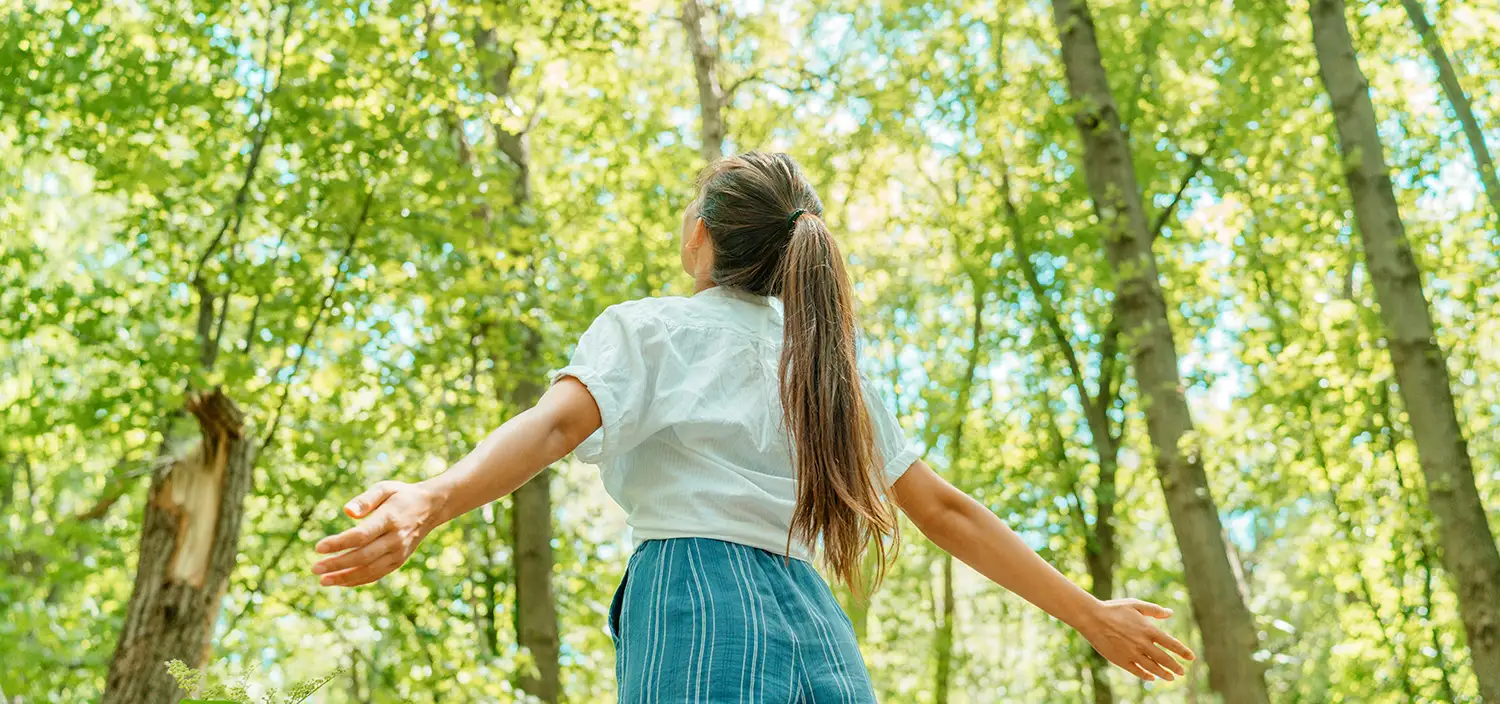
point(896, 452)
point(612, 361)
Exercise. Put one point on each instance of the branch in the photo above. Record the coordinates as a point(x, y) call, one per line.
point(275, 562)
point(265, 112)
point(209, 352)
point(286, 389)
point(756, 75)
point(759, 76)
point(120, 480)
point(118, 486)
point(1060, 456)
point(1148, 49)
point(260, 296)
point(1195, 165)
point(1109, 350)
point(1039, 292)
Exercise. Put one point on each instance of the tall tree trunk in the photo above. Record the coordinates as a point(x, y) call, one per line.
point(943, 640)
point(1099, 556)
point(710, 96)
point(1099, 538)
point(531, 536)
point(531, 505)
point(1469, 554)
point(1454, 91)
point(1229, 636)
point(188, 544)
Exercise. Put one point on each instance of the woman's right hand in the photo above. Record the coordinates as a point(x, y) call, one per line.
point(1122, 632)
point(396, 517)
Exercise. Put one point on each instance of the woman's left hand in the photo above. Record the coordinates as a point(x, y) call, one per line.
point(397, 516)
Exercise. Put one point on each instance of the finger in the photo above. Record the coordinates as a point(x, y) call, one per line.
point(361, 506)
point(1136, 670)
point(1165, 660)
point(1153, 667)
point(355, 537)
point(363, 556)
point(1160, 637)
point(363, 574)
point(1150, 609)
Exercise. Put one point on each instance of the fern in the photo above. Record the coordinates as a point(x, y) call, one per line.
point(238, 690)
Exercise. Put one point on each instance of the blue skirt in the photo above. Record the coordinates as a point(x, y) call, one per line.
point(701, 620)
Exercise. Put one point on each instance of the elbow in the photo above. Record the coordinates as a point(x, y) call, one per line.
point(947, 517)
point(938, 509)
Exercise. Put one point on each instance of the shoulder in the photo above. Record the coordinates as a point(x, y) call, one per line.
point(640, 319)
point(653, 312)
point(678, 318)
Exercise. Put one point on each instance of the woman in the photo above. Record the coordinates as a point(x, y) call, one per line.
point(740, 440)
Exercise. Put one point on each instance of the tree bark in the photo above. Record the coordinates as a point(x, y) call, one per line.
point(531, 537)
point(535, 614)
point(1454, 90)
point(188, 544)
point(1099, 539)
point(1469, 554)
point(943, 640)
point(1229, 636)
point(710, 96)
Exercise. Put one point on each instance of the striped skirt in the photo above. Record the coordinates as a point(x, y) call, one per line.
point(701, 620)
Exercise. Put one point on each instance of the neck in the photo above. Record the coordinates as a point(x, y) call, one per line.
point(701, 282)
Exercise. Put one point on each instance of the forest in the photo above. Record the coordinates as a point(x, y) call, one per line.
point(1202, 298)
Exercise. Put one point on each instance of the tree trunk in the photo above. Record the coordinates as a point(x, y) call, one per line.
point(1229, 636)
point(1099, 555)
point(531, 505)
point(1469, 555)
point(188, 543)
point(1454, 91)
point(1392, 439)
point(943, 639)
point(536, 612)
point(710, 97)
point(531, 536)
point(1099, 539)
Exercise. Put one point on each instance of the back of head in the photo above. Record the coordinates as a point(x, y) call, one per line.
point(769, 239)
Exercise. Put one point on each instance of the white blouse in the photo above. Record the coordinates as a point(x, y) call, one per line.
point(692, 442)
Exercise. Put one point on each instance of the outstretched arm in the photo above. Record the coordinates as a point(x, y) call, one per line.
point(397, 516)
point(957, 523)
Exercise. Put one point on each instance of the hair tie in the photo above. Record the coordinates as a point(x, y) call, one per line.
point(791, 220)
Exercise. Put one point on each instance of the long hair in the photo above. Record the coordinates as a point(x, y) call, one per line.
point(763, 245)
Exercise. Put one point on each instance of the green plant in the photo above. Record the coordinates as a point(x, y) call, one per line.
point(193, 682)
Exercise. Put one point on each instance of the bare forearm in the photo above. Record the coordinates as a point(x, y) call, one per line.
point(510, 456)
point(979, 539)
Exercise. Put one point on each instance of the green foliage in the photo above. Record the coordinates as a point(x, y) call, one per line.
point(238, 691)
point(155, 151)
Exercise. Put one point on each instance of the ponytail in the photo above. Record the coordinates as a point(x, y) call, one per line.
point(769, 239)
point(826, 416)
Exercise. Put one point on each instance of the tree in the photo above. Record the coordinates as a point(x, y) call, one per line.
point(531, 506)
point(704, 52)
point(189, 540)
point(1469, 553)
point(1453, 89)
point(1229, 636)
